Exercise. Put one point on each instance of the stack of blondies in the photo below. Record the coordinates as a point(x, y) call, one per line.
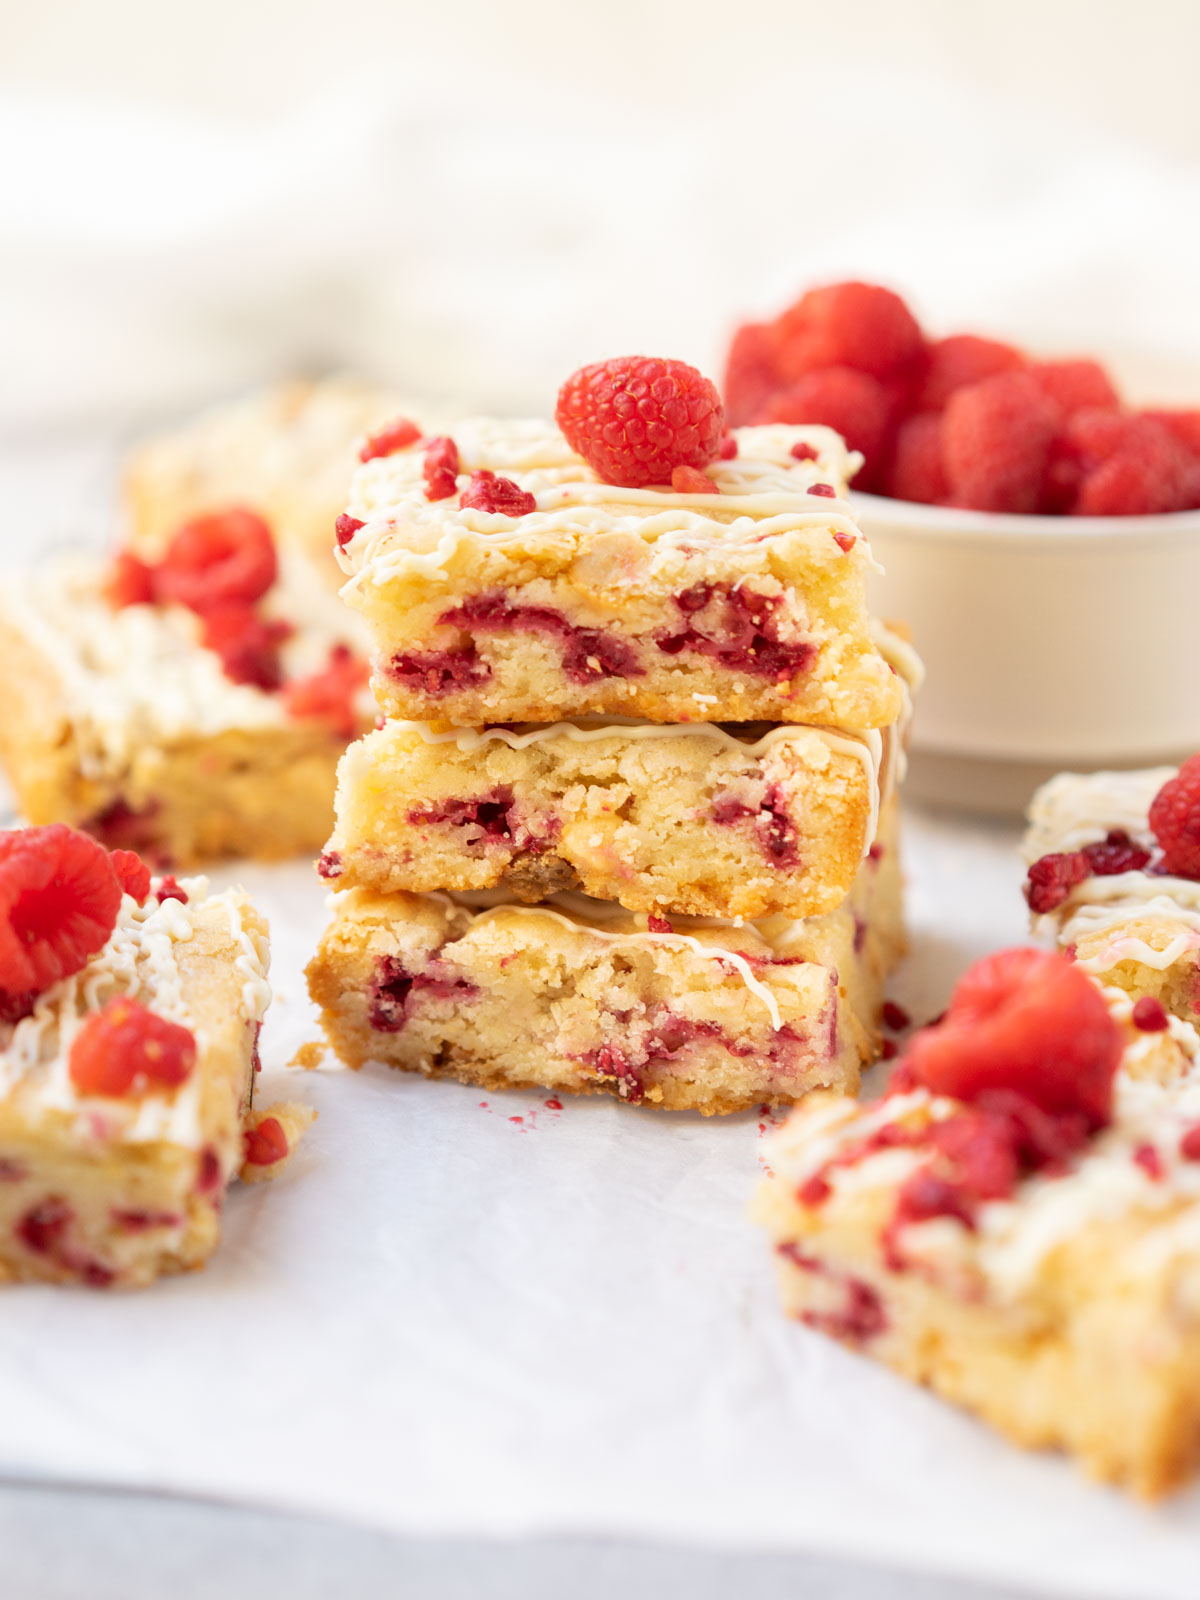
point(628, 822)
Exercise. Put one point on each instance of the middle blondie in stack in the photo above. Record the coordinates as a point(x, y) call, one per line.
point(629, 822)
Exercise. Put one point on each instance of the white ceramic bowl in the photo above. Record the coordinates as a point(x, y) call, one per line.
point(1050, 642)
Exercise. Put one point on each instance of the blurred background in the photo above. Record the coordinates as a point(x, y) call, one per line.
point(470, 199)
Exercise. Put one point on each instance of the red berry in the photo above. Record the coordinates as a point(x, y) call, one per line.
point(387, 440)
point(803, 451)
point(851, 402)
point(690, 480)
point(750, 376)
point(635, 418)
point(1029, 1022)
point(1075, 385)
point(168, 889)
point(218, 559)
point(1183, 425)
point(345, 528)
point(1189, 1144)
point(330, 695)
point(1095, 433)
point(501, 496)
point(247, 644)
point(130, 581)
point(916, 471)
point(996, 441)
point(266, 1143)
point(59, 899)
point(960, 360)
point(825, 490)
point(1115, 853)
point(126, 1048)
point(440, 468)
point(1148, 472)
point(1052, 878)
point(895, 1017)
point(847, 325)
point(1149, 1015)
point(1175, 820)
point(728, 447)
point(132, 873)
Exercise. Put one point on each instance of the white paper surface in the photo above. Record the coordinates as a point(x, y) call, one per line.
point(444, 1321)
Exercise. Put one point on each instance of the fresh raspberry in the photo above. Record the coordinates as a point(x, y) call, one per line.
point(247, 644)
point(345, 528)
point(850, 402)
point(961, 360)
point(1115, 853)
point(59, 899)
point(1175, 820)
point(128, 1049)
point(130, 581)
point(750, 376)
point(916, 471)
point(690, 480)
point(132, 873)
point(501, 496)
point(218, 559)
point(1147, 473)
point(1075, 385)
point(635, 418)
point(1028, 1022)
point(330, 695)
point(996, 441)
point(847, 325)
point(1095, 433)
point(1149, 1015)
point(1183, 425)
point(387, 440)
point(440, 468)
point(1051, 879)
point(265, 1144)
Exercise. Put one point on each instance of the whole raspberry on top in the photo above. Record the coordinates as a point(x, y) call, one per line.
point(126, 1048)
point(636, 418)
point(1175, 820)
point(1027, 1023)
point(59, 899)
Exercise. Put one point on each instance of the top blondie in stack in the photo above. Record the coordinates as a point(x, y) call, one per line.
point(628, 824)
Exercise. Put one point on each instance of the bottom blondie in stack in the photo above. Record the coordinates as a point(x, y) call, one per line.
point(608, 896)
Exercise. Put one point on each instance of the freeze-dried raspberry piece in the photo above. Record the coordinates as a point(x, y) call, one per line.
point(1075, 385)
point(218, 559)
point(265, 1144)
point(130, 581)
point(501, 496)
point(996, 439)
point(916, 471)
point(1149, 1015)
point(803, 451)
point(440, 468)
point(59, 899)
point(635, 418)
point(1028, 1022)
point(330, 695)
point(852, 324)
point(387, 440)
point(169, 889)
point(1175, 820)
point(128, 1049)
point(1051, 879)
point(1147, 473)
point(247, 644)
point(690, 480)
point(958, 361)
point(132, 873)
point(750, 376)
point(345, 528)
point(850, 402)
point(1117, 852)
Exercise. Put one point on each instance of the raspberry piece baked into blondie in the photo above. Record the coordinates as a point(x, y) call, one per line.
point(1113, 877)
point(502, 580)
point(1017, 1223)
point(129, 1017)
point(580, 996)
point(183, 730)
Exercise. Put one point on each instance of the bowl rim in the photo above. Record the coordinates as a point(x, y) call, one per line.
point(951, 522)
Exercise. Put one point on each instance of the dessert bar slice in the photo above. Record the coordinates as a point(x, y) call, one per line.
point(577, 995)
point(502, 580)
point(1017, 1223)
point(1112, 877)
point(187, 734)
point(130, 1015)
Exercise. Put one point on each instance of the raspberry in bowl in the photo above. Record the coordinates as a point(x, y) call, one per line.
point(1041, 536)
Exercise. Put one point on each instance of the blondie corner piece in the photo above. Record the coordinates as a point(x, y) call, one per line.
point(573, 597)
point(108, 1179)
point(119, 720)
point(1102, 885)
point(1039, 1267)
point(580, 997)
